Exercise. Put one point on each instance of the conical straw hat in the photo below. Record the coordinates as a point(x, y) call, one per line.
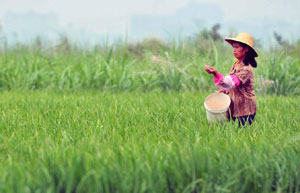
point(244, 38)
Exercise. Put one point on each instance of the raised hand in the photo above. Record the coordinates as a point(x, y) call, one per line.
point(210, 70)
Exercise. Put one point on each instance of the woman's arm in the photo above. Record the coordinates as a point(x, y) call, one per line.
point(223, 91)
point(226, 82)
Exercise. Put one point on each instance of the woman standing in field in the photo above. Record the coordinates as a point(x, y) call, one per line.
point(240, 81)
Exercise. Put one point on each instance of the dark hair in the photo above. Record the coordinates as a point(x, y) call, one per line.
point(249, 59)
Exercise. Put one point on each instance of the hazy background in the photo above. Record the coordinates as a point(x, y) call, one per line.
point(91, 21)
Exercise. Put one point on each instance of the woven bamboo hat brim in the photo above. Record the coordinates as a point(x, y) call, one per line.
point(244, 38)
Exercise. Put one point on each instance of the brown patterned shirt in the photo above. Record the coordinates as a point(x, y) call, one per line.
point(243, 101)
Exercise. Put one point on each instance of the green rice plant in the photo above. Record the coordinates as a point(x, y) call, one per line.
point(143, 142)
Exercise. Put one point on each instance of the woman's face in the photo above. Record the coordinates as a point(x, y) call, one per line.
point(239, 51)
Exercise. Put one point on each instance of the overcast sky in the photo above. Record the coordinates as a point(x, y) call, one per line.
point(114, 15)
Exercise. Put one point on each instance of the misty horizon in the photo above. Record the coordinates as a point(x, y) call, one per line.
point(184, 21)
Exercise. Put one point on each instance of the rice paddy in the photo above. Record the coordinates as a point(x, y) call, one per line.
point(112, 119)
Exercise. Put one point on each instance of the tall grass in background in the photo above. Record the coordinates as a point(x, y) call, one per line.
point(151, 64)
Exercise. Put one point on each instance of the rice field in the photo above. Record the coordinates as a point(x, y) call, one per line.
point(143, 142)
point(130, 118)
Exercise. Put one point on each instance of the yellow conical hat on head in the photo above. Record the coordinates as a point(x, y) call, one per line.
point(244, 38)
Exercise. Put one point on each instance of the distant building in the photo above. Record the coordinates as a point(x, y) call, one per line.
point(186, 21)
point(27, 26)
